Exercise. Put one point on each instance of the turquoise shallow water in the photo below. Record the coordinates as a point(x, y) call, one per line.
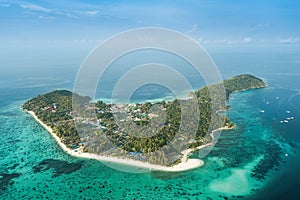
point(246, 161)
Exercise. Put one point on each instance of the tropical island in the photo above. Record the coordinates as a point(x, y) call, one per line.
point(120, 132)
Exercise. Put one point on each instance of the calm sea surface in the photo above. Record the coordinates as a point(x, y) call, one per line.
point(257, 160)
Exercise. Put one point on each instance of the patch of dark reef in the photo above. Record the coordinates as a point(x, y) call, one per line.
point(272, 159)
point(59, 167)
point(6, 180)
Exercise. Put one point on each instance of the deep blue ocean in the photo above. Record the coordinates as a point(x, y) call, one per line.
point(257, 160)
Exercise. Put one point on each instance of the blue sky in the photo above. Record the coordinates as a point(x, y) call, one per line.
point(44, 36)
point(224, 22)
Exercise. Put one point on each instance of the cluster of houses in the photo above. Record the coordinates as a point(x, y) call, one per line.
point(51, 108)
point(130, 112)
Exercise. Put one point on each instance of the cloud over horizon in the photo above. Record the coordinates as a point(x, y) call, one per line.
point(223, 22)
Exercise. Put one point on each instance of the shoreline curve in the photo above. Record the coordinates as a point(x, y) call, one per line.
point(185, 165)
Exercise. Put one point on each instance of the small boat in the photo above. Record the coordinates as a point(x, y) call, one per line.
point(277, 97)
point(262, 111)
point(286, 121)
point(267, 102)
point(292, 118)
point(288, 111)
point(288, 118)
point(281, 121)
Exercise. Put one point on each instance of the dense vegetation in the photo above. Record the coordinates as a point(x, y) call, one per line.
point(54, 109)
point(242, 82)
point(126, 126)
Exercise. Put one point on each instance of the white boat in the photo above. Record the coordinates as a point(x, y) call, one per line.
point(262, 111)
point(292, 118)
point(286, 121)
point(288, 111)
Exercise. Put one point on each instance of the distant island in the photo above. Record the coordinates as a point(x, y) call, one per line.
point(116, 133)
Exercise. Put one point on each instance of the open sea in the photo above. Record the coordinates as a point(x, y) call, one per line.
point(257, 160)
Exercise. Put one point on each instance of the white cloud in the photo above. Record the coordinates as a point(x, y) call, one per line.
point(193, 29)
point(247, 40)
point(289, 40)
point(46, 17)
point(35, 7)
point(69, 13)
point(88, 13)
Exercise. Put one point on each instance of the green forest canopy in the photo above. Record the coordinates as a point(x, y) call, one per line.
point(55, 110)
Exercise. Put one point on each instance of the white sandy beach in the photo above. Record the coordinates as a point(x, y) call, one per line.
point(186, 164)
